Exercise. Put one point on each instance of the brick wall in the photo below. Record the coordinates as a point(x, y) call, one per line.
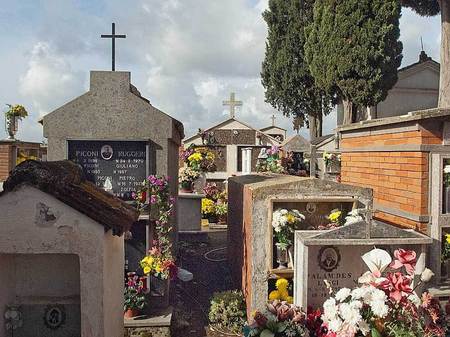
point(4, 161)
point(399, 179)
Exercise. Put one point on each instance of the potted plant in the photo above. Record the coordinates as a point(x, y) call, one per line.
point(187, 177)
point(332, 162)
point(134, 295)
point(209, 210)
point(13, 115)
point(284, 223)
point(228, 312)
point(200, 159)
point(222, 211)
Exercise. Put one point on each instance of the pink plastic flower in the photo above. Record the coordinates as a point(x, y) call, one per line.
point(397, 285)
point(406, 258)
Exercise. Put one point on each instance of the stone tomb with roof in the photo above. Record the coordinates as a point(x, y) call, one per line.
point(333, 254)
point(61, 254)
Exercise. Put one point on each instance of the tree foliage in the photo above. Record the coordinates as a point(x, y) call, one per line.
point(353, 48)
point(422, 7)
point(289, 86)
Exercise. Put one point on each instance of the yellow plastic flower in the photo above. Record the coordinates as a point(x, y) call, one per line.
point(158, 267)
point(195, 157)
point(290, 218)
point(334, 217)
point(210, 156)
point(274, 295)
point(283, 294)
point(282, 284)
point(207, 206)
point(147, 270)
point(289, 299)
point(447, 238)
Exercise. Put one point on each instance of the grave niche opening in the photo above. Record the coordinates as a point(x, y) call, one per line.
point(45, 289)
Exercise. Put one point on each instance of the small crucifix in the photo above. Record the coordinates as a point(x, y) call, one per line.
point(113, 37)
point(273, 120)
point(232, 103)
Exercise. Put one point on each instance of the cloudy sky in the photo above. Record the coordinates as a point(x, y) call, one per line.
point(184, 55)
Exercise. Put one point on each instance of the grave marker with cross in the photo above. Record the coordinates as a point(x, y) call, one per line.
point(232, 103)
point(113, 38)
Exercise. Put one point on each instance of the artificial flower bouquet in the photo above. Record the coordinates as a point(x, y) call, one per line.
point(16, 110)
point(208, 208)
point(284, 222)
point(134, 293)
point(187, 176)
point(278, 320)
point(385, 303)
point(159, 263)
point(157, 190)
point(331, 158)
point(198, 158)
point(445, 252)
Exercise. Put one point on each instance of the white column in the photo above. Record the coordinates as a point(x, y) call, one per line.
point(246, 160)
point(232, 159)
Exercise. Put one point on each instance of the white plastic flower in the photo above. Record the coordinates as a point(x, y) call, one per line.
point(349, 314)
point(330, 309)
point(342, 294)
point(379, 308)
point(377, 260)
point(414, 298)
point(447, 169)
point(335, 324)
point(426, 275)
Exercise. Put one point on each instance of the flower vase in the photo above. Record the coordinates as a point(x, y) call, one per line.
point(282, 256)
point(130, 313)
point(200, 183)
point(12, 123)
point(291, 257)
point(186, 187)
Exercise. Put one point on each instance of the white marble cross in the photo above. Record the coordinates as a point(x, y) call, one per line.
point(232, 103)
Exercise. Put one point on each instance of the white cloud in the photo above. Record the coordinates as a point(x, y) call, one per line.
point(49, 79)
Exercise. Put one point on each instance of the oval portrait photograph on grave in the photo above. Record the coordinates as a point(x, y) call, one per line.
point(106, 152)
point(329, 258)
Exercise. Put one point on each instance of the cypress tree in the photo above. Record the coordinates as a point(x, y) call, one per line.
point(429, 8)
point(289, 86)
point(353, 50)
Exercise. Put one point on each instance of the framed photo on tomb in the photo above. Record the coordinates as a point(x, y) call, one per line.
point(117, 166)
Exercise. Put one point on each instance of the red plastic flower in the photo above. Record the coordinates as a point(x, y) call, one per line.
point(406, 258)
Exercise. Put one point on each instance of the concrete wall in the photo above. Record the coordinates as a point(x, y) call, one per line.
point(24, 230)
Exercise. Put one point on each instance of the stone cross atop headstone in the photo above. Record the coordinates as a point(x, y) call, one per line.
point(273, 120)
point(232, 103)
point(113, 38)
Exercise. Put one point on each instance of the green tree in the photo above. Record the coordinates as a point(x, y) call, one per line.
point(289, 86)
point(430, 8)
point(353, 50)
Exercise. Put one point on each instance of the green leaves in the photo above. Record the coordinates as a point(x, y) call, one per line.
point(289, 86)
point(353, 48)
point(375, 333)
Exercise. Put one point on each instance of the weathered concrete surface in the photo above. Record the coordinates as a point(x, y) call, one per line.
point(113, 109)
point(100, 255)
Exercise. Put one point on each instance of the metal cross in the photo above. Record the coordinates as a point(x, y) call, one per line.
point(232, 103)
point(113, 37)
point(273, 120)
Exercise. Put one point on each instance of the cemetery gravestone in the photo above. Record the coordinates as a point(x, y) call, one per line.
point(106, 130)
